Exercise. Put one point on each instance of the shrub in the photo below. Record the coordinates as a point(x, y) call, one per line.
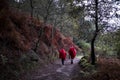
point(85, 64)
point(84, 46)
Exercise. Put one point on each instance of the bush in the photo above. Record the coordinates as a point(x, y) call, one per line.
point(84, 46)
point(85, 64)
point(29, 60)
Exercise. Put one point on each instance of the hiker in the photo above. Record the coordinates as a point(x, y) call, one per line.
point(72, 53)
point(62, 55)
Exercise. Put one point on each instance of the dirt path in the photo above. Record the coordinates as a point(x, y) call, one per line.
point(54, 72)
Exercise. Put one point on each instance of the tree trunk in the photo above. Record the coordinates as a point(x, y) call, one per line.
point(93, 57)
point(31, 5)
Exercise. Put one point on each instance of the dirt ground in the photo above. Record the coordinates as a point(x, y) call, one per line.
point(55, 71)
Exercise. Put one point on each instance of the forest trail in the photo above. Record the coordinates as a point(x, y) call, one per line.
point(55, 71)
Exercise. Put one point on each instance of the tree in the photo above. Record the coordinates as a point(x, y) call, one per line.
point(32, 7)
point(100, 11)
point(95, 34)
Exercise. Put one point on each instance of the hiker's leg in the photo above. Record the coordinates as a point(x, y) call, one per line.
point(71, 61)
point(62, 61)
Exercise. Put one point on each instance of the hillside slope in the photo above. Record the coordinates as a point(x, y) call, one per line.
point(25, 40)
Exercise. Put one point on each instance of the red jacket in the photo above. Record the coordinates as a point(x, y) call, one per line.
point(72, 52)
point(62, 54)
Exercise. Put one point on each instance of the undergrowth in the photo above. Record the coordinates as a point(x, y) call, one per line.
point(107, 69)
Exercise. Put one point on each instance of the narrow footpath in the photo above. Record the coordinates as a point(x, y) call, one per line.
point(55, 71)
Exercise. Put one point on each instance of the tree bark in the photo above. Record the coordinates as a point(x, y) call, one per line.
point(93, 57)
point(32, 7)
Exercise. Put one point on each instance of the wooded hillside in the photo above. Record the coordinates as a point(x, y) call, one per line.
point(25, 40)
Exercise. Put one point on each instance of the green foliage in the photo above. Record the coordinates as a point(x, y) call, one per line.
point(117, 43)
point(85, 28)
point(29, 60)
point(99, 51)
point(86, 66)
point(105, 44)
point(84, 46)
point(11, 68)
point(76, 11)
point(83, 61)
point(4, 59)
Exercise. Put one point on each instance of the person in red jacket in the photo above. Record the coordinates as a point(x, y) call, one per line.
point(72, 53)
point(62, 55)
